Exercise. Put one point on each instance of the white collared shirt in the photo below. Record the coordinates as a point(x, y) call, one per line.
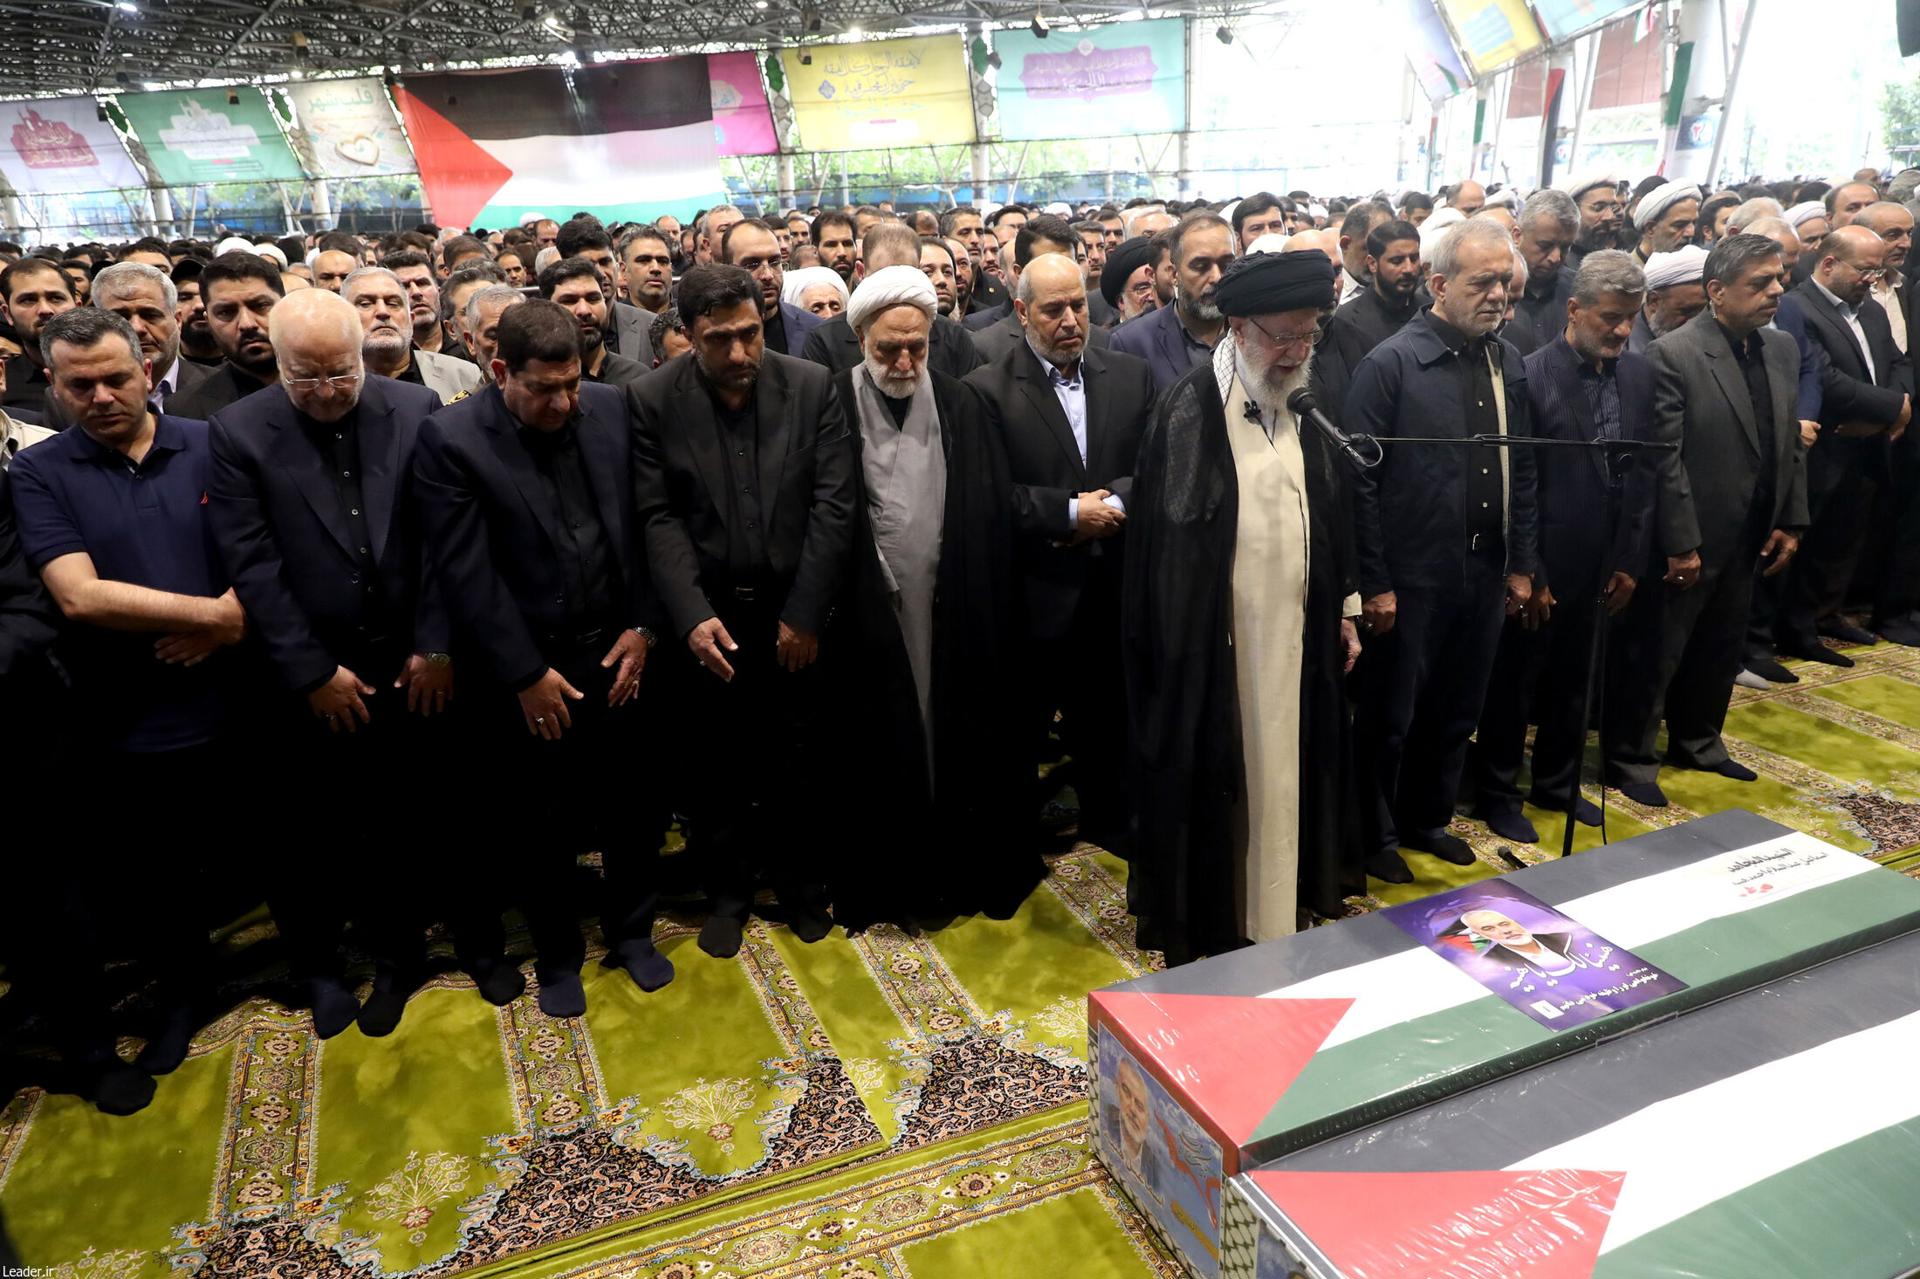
point(1851, 315)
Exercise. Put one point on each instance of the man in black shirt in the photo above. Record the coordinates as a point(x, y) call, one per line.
point(744, 489)
point(1378, 311)
point(583, 290)
point(32, 291)
point(240, 290)
point(526, 496)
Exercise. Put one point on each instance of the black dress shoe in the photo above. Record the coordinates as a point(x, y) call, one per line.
point(1586, 812)
point(1846, 632)
point(1901, 630)
point(1388, 867)
point(561, 994)
point(1728, 768)
point(721, 936)
point(1508, 822)
point(1645, 794)
point(1814, 651)
point(1769, 669)
point(1441, 843)
point(499, 982)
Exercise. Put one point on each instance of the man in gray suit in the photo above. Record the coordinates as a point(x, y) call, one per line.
point(1736, 493)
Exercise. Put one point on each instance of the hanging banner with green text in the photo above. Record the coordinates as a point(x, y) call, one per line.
point(196, 135)
point(881, 93)
point(1129, 77)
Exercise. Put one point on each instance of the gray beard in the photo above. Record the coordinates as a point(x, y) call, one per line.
point(1256, 381)
point(888, 385)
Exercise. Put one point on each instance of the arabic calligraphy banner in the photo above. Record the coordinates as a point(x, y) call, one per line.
point(1129, 77)
point(882, 93)
point(348, 128)
point(196, 135)
point(62, 145)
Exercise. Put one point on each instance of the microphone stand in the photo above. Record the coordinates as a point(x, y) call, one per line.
point(1367, 451)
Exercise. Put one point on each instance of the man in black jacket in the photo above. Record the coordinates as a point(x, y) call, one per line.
point(239, 290)
point(744, 490)
point(1581, 386)
point(1377, 312)
point(310, 505)
point(1070, 419)
point(525, 492)
point(1444, 537)
point(1864, 407)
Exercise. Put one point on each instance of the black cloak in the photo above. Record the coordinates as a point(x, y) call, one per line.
point(1182, 693)
point(914, 850)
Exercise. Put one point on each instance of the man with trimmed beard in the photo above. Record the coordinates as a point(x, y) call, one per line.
point(1175, 339)
point(144, 297)
point(964, 272)
point(925, 638)
point(239, 290)
point(749, 245)
point(580, 287)
point(1390, 299)
point(196, 337)
point(937, 263)
point(415, 273)
point(1127, 281)
point(1235, 632)
point(1443, 541)
point(381, 300)
point(1602, 216)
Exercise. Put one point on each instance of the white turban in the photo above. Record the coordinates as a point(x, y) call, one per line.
point(1504, 198)
point(1806, 212)
point(1437, 224)
point(890, 287)
point(1318, 212)
point(272, 251)
point(1660, 199)
point(528, 219)
point(1590, 182)
point(1271, 242)
point(798, 282)
point(1682, 266)
point(233, 244)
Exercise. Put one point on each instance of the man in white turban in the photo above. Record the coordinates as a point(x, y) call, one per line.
point(1666, 217)
point(1675, 294)
point(925, 634)
point(1603, 216)
point(1810, 222)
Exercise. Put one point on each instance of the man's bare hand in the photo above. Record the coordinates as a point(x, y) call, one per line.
point(429, 685)
point(1519, 591)
point(1683, 570)
point(1538, 609)
point(630, 653)
point(1619, 593)
point(1095, 519)
point(1377, 614)
point(1780, 548)
point(795, 650)
point(709, 642)
point(339, 701)
point(544, 705)
point(1350, 642)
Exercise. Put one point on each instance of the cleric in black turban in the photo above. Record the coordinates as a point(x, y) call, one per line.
point(1235, 633)
point(1127, 280)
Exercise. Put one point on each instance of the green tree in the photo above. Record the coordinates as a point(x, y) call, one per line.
point(1900, 118)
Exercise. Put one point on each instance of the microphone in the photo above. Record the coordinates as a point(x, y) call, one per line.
point(1305, 407)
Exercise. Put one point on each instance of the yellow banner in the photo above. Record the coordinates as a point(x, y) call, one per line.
point(881, 93)
point(1492, 33)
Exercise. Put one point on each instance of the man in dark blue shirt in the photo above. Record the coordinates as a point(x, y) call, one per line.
point(1444, 541)
point(113, 515)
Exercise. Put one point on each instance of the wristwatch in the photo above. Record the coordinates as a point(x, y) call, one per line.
point(646, 634)
point(439, 659)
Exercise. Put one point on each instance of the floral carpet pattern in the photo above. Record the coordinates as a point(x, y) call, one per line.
point(875, 1107)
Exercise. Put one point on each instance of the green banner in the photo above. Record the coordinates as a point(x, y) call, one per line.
point(199, 135)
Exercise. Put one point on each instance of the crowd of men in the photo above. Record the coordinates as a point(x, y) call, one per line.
point(381, 581)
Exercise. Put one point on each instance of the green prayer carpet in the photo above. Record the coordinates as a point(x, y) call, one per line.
point(876, 1106)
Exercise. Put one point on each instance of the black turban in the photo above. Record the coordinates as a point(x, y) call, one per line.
point(1263, 283)
point(1125, 259)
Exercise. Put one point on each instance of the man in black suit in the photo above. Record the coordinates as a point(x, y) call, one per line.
point(1725, 390)
point(1174, 339)
point(744, 490)
point(834, 344)
point(525, 493)
point(583, 290)
point(997, 331)
point(1896, 605)
point(144, 297)
point(749, 245)
point(240, 290)
point(1071, 419)
point(309, 505)
point(1583, 385)
point(1864, 408)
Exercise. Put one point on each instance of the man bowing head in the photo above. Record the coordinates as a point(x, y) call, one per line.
point(1234, 629)
point(929, 622)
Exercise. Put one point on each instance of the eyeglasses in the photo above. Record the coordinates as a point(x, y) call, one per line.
point(304, 385)
point(1282, 341)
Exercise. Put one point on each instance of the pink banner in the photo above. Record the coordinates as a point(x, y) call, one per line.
point(741, 117)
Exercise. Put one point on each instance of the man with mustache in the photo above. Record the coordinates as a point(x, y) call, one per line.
point(926, 645)
point(196, 336)
point(381, 300)
point(1176, 339)
point(239, 290)
point(1379, 311)
point(144, 297)
point(1445, 544)
point(581, 288)
point(1602, 216)
point(1235, 613)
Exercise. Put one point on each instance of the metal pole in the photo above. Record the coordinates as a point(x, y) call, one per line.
point(1733, 83)
point(1590, 46)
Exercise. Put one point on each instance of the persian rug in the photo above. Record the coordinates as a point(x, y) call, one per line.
point(877, 1107)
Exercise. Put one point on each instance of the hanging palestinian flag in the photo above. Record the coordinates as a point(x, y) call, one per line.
point(624, 141)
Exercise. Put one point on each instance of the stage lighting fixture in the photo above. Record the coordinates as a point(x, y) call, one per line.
point(993, 59)
point(1223, 35)
point(810, 19)
point(1039, 26)
point(806, 58)
point(233, 97)
point(300, 49)
point(100, 112)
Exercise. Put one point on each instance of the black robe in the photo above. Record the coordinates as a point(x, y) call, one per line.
point(911, 850)
point(1182, 692)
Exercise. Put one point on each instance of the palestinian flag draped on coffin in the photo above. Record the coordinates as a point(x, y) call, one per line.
point(624, 141)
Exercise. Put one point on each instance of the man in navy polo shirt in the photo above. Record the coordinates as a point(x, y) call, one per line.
point(113, 515)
